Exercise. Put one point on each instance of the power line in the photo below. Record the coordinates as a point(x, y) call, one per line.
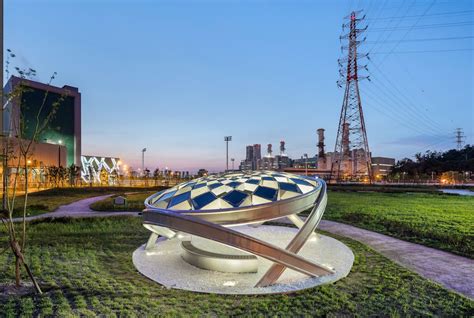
point(426, 40)
point(392, 114)
point(396, 113)
point(408, 31)
point(415, 113)
point(426, 26)
point(410, 104)
point(427, 15)
point(382, 34)
point(444, 140)
point(424, 51)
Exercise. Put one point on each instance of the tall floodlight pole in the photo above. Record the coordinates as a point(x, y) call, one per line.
point(232, 159)
point(351, 159)
point(227, 139)
point(2, 133)
point(143, 160)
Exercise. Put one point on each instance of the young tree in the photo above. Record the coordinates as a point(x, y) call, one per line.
point(156, 175)
point(23, 148)
point(146, 176)
point(74, 173)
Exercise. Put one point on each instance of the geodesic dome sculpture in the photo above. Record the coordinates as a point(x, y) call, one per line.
point(209, 208)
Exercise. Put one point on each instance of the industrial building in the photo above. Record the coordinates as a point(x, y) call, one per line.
point(23, 114)
point(381, 166)
point(57, 140)
point(321, 165)
point(254, 160)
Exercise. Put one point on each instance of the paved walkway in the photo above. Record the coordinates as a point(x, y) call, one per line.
point(452, 271)
point(78, 209)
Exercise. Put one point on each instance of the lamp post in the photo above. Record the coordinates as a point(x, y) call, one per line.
point(59, 152)
point(143, 159)
point(227, 139)
point(232, 159)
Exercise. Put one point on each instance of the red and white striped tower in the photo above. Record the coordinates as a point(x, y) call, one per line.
point(351, 159)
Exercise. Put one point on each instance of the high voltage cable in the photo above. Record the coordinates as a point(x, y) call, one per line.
point(415, 112)
point(414, 122)
point(382, 34)
point(394, 116)
point(408, 31)
point(443, 140)
point(426, 40)
point(427, 26)
point(407, 103)
point(392, 85)
point(402, 122)
point(419, 15)
point(424, 51)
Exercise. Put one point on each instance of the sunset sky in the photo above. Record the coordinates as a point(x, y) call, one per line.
point(177, 76)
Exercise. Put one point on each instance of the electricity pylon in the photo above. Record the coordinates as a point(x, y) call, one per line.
point(459, 135)
point(351, 159)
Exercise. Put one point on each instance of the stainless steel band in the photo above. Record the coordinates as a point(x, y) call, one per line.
point(160, 219)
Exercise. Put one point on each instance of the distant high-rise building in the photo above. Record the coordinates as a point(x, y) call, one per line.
point(257, 155)
point(249, 153)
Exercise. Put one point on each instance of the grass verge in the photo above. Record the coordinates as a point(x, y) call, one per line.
point(85, 269)
point(436, 220)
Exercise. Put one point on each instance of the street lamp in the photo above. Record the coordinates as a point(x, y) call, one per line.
point(60, 142)
point(143, 159)
point(227, 139)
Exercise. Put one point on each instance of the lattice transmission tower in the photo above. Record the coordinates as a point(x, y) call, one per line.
point(351, 158)
point(459, 135)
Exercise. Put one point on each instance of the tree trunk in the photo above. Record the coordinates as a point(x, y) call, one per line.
point(20, 259)
point(17, 272)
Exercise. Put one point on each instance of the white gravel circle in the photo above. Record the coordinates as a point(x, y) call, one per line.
point(164, 265)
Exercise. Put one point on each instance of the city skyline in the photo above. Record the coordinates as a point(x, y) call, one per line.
point(172, 81)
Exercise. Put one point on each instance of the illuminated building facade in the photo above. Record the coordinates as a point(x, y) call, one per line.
point(100, 170)
point(64, 128)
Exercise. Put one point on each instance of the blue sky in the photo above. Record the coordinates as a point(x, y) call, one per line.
point(177, 76)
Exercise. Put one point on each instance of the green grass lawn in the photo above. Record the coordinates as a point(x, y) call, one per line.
point(441, 221)
point(49, 200)
point(85, 268)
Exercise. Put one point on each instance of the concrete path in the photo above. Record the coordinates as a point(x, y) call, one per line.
point(78, 209)
point(452, 271)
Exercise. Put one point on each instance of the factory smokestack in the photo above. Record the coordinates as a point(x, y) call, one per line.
point(345, 139)
point(321, 153)
point(282, 147)
point(269, 150)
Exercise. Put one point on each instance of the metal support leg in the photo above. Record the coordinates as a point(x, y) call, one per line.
point(151, 241)
point(156, 231)
point(298, 222)
point(277, 269)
